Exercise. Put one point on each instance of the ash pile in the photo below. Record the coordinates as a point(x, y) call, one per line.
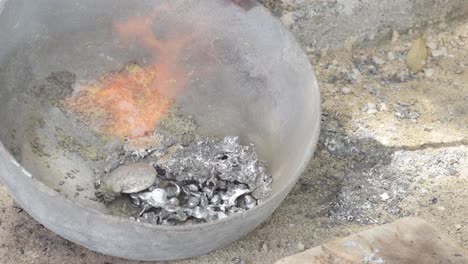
point(170, 183)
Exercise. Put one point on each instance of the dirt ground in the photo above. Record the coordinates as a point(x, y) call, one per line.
point(393, 144)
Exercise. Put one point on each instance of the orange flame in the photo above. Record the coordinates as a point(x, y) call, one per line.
point(130, 103)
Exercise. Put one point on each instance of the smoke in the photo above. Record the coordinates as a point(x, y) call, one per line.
point(2, 4)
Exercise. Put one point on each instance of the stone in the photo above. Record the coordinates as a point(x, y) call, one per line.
point(384, 196)
point(440, 52)
point(371, 108)
point(378, 60)
point(349, 43)
point(432, 45)
point(130, 178)
point(429, 72)
point(265, 247)
point(345, 90)
point(383, 107)
point(300, 246)
point(395, 36)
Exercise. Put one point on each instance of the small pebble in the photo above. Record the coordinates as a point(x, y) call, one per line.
point(384, 196)
point(383, 107)
point(130, 178)
point(300, 246)
point(432, 45)
point(429, 72)
point(378, 60)
point(395, 36)
point(371, 108)
point(391, 56)
point(345, 90)
point(440, 52)
point(265, 247)
point(458, 227)
point(238, 260)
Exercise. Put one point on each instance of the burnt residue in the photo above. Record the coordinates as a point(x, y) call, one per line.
point(55, 88)
point(74, 145)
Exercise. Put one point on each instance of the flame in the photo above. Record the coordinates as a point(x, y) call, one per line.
point(130, 103)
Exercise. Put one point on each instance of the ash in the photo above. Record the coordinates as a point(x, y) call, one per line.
point(205, 180)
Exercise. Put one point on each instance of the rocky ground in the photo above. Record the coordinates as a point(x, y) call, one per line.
point(393, 144)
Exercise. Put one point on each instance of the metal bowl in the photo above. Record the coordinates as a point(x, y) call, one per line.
point(246, 76)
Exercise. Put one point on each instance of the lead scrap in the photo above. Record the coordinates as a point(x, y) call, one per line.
point(206, 180)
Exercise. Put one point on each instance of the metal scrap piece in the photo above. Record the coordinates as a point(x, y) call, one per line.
point(172, 205)
point(205, 180)
point(199, 212)
point(172, 190)
point(248, 202)
point(193, 201)
point(234, 194)
point(156, 198)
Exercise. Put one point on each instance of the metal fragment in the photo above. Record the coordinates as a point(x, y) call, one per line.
point(248, 202)
point(179, 216)
point(172, 190)
point(208, 191)
point(234, 194)
point(215, 199)
point(203, 200)
point(193, 201)
point(150, 218)
point(172, 205)
point(199, 212)
point(191, 188)
point(206, 180)
point(234, 210)
point(135, 199)
point(144, 209)
point(156, 198)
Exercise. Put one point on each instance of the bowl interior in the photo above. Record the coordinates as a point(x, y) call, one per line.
point(244, 76)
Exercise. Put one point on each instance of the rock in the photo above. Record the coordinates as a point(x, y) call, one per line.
point(349, 43)
point(238, 260)
point(395, 36)
point(370, 108)
point(328, 104)
point(432, 45)
point(404, 111)
point(378, 60)
point(371, 69)
point(429, 72)
point(345, 90)
point(417, 55)
point(440, 52)
point(384, 196)
point(383, 107)
point(458, 227)
point(288, 19)
point(265, 247)
point(391, 56)
point(130, 178)
point(300, 246)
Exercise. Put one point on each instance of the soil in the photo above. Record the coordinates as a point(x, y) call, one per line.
point(393, 144)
